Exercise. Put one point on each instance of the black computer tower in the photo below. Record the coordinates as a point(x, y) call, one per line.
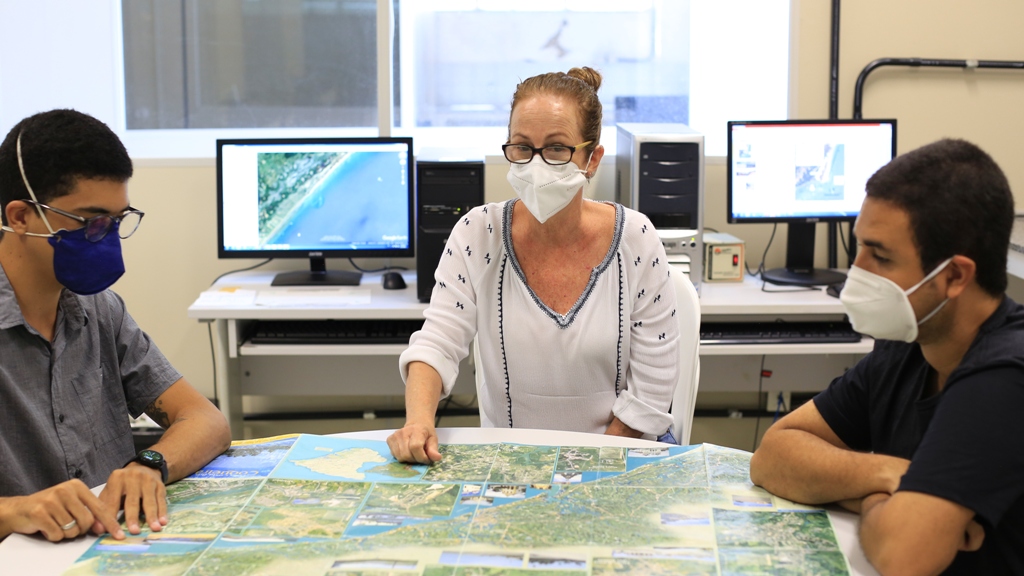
point(445, 191)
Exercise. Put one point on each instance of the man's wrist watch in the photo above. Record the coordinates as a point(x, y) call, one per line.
point(152, 459)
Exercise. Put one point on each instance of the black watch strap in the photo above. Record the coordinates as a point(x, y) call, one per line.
point(152, 459)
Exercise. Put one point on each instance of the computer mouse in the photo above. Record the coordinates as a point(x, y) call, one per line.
point(392, 281)
point(833, 290)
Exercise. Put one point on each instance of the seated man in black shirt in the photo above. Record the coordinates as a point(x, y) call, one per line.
point(925, 435)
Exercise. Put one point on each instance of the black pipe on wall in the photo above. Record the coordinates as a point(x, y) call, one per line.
point(833, 114)
point(858, 90)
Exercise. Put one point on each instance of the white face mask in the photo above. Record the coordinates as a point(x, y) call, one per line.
point(879, 308)
point(546, 189)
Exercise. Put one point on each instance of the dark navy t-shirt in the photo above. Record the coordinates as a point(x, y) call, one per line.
point(965, 444)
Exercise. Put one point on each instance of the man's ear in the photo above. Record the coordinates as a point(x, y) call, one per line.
point(17, 213)
point(961, 273)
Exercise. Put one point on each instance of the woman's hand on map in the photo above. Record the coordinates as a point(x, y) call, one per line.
point(415, 443)
point(66, 510)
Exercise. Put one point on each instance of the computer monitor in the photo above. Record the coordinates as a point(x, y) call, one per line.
point(801, 172)
point(315, 198)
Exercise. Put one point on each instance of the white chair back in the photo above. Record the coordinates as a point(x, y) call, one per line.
point(685, 397)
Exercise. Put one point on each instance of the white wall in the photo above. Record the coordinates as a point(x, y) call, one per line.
point(173, 256)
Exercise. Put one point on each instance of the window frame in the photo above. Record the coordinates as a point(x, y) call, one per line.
point(94, 73)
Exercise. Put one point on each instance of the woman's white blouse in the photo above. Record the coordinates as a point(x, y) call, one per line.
point(614, 353)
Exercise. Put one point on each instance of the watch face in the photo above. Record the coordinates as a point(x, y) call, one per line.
point(151, 458)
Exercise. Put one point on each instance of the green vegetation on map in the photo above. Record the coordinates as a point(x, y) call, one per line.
point(462, 463)
point(326, 493)
point(424, 500)
point(589, 459)
point(396, 470)
point(654, 566)
point(300, 509)
point(746, 561)
point(772, 529)
point(439, 534)
point(286, 179)
point(118, 563)
point(521, 464)
point(210, 492)
point(727, 466)
point(200, 519)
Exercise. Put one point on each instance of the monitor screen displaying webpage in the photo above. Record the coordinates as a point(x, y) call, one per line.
point(324, 197)
point(804, 171)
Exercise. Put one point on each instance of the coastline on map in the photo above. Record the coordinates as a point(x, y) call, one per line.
point(277, 206)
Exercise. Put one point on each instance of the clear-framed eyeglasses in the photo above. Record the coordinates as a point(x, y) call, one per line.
point(98, 226)
point(556, 155)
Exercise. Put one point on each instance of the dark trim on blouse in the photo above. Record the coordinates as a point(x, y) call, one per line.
point(618, 346)
point(501, 338)
point(566, 320)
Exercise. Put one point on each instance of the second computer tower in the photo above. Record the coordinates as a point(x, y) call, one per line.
point(445, 192)
point(660, 173)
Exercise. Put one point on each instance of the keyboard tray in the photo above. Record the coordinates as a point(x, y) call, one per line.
point(777, 333)
point(334, 331)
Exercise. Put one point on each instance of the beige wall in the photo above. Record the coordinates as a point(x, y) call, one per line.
point(173, 256)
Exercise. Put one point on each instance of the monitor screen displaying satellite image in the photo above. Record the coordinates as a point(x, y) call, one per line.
point(331, 195)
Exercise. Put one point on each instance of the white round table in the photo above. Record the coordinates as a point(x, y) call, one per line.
point(35, 555)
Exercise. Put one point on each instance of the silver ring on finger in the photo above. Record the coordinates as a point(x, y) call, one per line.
point(69, 525)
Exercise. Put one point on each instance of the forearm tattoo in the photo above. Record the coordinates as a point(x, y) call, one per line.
point(156, 412)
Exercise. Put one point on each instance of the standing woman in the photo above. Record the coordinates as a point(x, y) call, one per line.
point(570, 299)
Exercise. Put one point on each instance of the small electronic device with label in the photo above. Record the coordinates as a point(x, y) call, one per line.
point(723, 261)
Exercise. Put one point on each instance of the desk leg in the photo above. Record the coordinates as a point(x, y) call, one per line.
point(229, 389)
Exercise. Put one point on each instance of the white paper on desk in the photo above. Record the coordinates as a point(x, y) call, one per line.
point(225, 298)
point(313, 297)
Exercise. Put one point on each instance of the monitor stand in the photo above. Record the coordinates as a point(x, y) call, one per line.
point(800, 270)
point(318, 275)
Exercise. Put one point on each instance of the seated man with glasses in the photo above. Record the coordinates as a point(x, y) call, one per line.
point(75, 365)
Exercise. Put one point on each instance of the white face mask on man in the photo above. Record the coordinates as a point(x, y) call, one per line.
point(881, 309)
point(546, 189)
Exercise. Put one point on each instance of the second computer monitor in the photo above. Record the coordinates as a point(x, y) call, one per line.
point(801, 172)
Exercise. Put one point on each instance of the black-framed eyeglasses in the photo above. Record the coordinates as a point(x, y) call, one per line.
point(98, 226)
point(556, 155)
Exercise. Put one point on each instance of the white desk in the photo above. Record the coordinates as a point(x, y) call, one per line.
point(36, 556)
point(245, 368)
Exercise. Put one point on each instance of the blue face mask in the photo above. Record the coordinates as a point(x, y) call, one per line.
point(80, 265)
point(86, 267)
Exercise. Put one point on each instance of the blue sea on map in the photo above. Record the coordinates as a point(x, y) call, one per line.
point(364, 199)
point(247, 461)
point(309, 447)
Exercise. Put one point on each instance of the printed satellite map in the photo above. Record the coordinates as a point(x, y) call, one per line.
point(338, 507)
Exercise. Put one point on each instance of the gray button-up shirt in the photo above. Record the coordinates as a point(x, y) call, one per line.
point(64, 404)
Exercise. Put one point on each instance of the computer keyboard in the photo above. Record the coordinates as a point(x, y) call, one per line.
point(334, 331)
point(776, 333)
